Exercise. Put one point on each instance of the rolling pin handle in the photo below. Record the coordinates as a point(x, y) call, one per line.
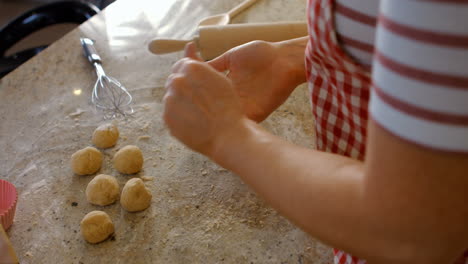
point(163, 46)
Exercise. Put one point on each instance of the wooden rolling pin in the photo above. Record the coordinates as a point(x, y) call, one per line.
point(213, 41)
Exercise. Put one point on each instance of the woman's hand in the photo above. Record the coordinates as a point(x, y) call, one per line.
point(201, 105)
point(264, 74)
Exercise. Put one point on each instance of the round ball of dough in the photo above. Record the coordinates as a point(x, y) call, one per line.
point(105, 136)
point(96, 226)
point(102, 190)
point(86, 161)
point(128, 160)
point(135, 196)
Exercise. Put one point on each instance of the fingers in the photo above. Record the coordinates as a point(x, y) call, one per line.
point(190, 55)
point(220, 63)
point(189, 68)
point(191, 51)
point(179, 65)
point(196, 71)
point(189, 61)
point(168, 84)
point(178, 85)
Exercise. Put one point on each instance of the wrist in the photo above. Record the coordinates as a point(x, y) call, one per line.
point(227, 144)
point(293, 51)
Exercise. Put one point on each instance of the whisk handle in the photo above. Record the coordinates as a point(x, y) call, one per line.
point(90, 50)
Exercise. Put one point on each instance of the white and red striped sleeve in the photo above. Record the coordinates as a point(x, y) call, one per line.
point(420, 72)
point(355, 22)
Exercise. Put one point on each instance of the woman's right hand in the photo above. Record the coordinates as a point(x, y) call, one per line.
point(264, 74)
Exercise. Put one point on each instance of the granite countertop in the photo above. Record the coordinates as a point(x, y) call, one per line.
point(200, 213)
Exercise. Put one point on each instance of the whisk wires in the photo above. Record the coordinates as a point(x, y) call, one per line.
point(110, 95)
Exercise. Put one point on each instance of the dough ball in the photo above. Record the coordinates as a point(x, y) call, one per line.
point(135, 196)
point(128, 160)
point(102, 190)
point(105, 136)
point(86, 161)
point(96, 226)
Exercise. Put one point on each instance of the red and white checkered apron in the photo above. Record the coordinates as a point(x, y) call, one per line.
point(339, 87)
point(340, 90)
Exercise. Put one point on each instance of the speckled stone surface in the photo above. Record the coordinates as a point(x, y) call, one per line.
point(200, 213)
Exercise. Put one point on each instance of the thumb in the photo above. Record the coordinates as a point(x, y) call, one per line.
point(220, 63)
point(191, 51)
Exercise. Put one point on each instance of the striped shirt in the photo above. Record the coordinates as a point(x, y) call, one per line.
point(418, 87)
point(419, 53)
point(355, 22)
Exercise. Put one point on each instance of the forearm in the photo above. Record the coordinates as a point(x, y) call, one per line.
point(318, 191)
point(334, 198)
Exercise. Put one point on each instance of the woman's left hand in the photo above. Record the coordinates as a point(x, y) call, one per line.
point(201, 105)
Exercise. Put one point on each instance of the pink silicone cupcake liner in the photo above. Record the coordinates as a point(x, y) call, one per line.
point(8, 199)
